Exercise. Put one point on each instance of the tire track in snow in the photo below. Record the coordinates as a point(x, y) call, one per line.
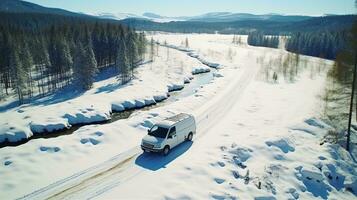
point(97, 180)
point(82, 175)
point(88, 182)
point(213, 112)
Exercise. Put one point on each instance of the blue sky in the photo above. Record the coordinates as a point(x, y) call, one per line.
point(196, 7)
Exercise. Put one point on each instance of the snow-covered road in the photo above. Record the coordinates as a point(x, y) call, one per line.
point(103, 177)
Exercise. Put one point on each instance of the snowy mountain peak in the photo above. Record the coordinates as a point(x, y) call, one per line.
point(153, 15)
point(117, 16)
point(207, 17)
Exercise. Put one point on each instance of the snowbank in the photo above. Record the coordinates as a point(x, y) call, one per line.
point(193, 54)
point(88, 115)
point(210, 64)
point(161, 97)
point(218, 75)
point(13, 132)
point(49, 125)
point(175, 87)
point(200, 69)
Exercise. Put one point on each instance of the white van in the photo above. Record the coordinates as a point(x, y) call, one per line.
point(169, 133)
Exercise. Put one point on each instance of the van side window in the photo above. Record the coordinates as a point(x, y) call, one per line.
point(172, 131)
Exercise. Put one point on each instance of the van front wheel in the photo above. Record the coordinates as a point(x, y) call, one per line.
point(166, 150)
point(189, 137)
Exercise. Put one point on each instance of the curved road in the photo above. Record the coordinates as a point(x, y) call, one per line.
point(103, 177)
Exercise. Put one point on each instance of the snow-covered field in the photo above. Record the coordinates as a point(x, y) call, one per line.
point(255, 139)
point(67, 108)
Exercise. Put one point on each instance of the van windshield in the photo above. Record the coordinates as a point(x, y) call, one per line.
point(158, 131)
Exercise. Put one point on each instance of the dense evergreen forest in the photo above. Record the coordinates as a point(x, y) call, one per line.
point(259, 39)
point(324, 44)
point(40, 53)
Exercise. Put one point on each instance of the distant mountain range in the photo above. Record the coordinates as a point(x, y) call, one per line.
point(146, 16)
point(223, 22)
point(116, 16)
point(17, 6)
point(327, 23)
point(230, 17)
point(208, 17)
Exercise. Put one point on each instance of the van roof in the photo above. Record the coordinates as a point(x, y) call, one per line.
point(178, 117)
point(174, 119)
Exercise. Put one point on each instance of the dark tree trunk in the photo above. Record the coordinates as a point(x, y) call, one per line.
point(351, 104)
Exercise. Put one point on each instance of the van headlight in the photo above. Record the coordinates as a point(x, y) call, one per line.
point(157, 146)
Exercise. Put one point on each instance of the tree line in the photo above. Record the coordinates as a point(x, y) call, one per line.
point(259, 39)
point(243, 27)
point(40, 53)
point(340, 88)
point(323, 44)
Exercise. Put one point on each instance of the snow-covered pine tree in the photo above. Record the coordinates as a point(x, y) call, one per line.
point(152, 47)
point(5, 51)
point(90, 62)
point(123, 63)
point(132, 55)
point(65, 62)
point(78, 63)
point(27, 65)
point(85, 65)
point(142, 46)
point(18, 74)
point(45, 64)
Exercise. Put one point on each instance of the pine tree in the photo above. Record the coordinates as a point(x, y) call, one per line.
point(27, 65)
point(152, 47)
point(167, 50)
point(84, 65)
point(44, 66)
point(239, 40)
point(65, 62)
point(123, 63)
point(5, 51)
point(142, 45)
point(186, 43)
point(18, 74)
point(78, 65)
point(90, 62)
point(132, 55)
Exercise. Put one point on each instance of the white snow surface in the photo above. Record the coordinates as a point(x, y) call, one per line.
point(251, 134)
point(153, 82)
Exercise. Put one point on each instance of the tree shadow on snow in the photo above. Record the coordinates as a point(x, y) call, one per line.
point(156, 161)
point(66, 93)
point(110, 88)
point(105, 73)
point(8, 106)
point(318, 189)
point(60, 95)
